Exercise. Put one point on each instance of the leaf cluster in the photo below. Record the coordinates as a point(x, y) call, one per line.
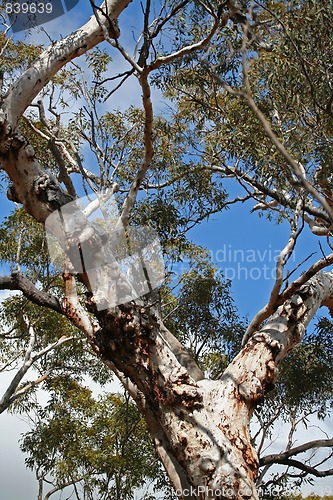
point(100, 442)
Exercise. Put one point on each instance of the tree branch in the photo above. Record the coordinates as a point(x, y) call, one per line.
point(185, 50)
point(62, 486)
point(149, 150)
point(271, 306)
point(282, 198)
point(75, 312)
point(40, 72)
point(314, 269)
point(11, 394)
point(296, 166)
point(317, 443)
point(304, 467)
point(18, 282)
point(167, 18)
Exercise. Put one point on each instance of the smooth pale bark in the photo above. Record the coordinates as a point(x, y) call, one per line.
point(40, 72)
point(16, 154)
point(200, 427)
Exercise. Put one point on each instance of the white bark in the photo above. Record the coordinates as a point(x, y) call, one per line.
point(18, 158)
point(40, 72)
point(215, 437)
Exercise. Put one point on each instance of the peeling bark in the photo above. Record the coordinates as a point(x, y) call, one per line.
point(206, 423)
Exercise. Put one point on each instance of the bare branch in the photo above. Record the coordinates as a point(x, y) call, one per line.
point(149, 150)
point(304, 467)
point(52, 144)
point(122, 81)
point(283, 198)
point(101, 15)
point(318, 443)
point(264, 428)
point(62, 486)
point(18, 282)
point(11, 394)
point(272, 304)
point(185, 50)
point(148, 108)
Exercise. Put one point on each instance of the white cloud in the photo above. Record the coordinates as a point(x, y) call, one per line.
point(4, 294)
point(17, 483)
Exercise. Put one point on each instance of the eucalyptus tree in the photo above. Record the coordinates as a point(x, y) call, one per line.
point(250, 105)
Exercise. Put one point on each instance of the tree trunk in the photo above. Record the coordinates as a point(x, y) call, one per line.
point(204, 424)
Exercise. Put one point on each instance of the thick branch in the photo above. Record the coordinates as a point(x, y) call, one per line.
point(37, 190)
point(40, 72)
point(149, 150)
point(75, 312)
point(290, 320)
point(254, 370)
point(292, 289)
point(18, 282)
point(312, 271)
